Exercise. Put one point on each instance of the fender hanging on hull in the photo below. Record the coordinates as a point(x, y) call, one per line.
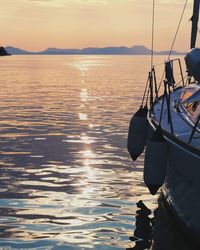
point(137, 134)
point(155, 163)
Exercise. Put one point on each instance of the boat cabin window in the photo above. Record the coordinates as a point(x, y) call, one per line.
point(193, 108)
point(185, 95)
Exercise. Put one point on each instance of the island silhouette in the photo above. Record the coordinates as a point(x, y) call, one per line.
point(121, 50)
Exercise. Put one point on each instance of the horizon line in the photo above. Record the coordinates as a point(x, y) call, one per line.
point(91, 47)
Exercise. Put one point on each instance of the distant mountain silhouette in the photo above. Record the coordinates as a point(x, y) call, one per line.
point(140, 50)
point(122, 50)
point(16, 51)
point(3, 52)
point(56, 51)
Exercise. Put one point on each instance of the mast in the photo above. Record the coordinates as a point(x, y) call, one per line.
point(194, 19)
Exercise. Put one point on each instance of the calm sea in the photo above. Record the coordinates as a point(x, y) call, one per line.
point(66, 179)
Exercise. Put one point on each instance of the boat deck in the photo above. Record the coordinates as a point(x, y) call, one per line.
point(181, 125)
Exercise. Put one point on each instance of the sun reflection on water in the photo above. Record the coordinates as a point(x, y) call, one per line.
point(83, 116)
point(84, 95)
point(66, 180)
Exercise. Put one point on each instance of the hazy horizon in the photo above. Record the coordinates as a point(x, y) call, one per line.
point(35, 25)
point(110, 46)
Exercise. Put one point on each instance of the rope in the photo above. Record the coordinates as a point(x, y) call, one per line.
point(173, 42)
point(152, 54)
point(179, 24)
point(161, 113)
point(152, 48)
point(145, 91)
point(181, 81)
point(152, 34)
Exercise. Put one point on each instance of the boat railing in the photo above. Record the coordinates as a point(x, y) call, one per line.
point(155, 91)
point(194, 129)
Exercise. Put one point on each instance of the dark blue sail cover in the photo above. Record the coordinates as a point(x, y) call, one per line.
point(192, 61)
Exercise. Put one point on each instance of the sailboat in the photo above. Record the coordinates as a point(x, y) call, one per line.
point(167, 129)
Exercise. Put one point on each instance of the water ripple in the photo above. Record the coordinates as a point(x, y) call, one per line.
point(66, 180)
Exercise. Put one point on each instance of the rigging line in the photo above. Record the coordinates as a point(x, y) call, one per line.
point(145, 91)
point(152, 34)
point(181, 80)
point(179, 24)
point(176, 33)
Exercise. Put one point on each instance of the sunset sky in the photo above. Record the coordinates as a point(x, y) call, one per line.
point(38, 24)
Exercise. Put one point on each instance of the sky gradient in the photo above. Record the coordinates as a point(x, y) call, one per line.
point(38, 24)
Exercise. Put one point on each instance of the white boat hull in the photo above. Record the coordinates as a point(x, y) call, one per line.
point(181, 188)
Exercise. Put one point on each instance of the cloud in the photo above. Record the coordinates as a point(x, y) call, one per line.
point(62, 3)
point(159, 2)
point(41, 0)
point(95, 2)
point(50, 3)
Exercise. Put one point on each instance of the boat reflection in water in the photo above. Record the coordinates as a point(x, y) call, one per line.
point(160, 230)
point(143, 231)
